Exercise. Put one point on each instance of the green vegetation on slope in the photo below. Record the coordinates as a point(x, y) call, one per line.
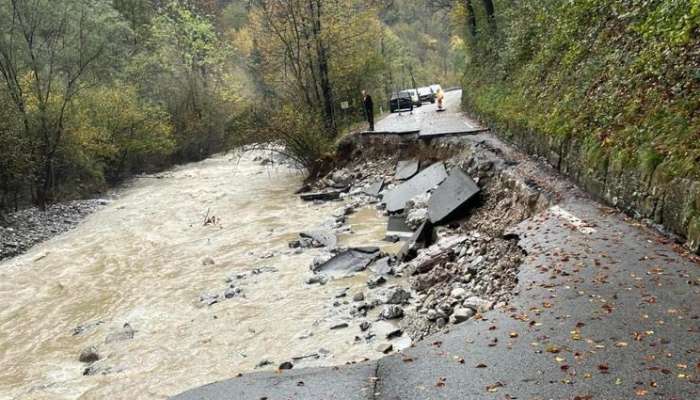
point(620, 77)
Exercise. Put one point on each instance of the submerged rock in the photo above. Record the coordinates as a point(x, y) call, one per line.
point(89, 355)
point(286, 365)
point(123, 334)
point(232, 292)
point(316, 279)
point(208, 261)
point(209, 299)
point(87, 327)
point(263, 363)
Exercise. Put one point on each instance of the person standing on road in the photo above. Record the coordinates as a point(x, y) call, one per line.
point(440, 98)
point(369, 109)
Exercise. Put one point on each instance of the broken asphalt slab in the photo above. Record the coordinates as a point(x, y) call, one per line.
point(427, 179)
point(346, 383)
point(374, 188)
point(406, 169)
point(420, 239)
point(396, 228)
point(348, 262)
point(453, 193)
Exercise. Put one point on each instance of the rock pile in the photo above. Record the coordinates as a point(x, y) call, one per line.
point(461, 276)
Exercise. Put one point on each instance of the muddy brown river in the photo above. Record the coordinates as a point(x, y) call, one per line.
point(141, 260)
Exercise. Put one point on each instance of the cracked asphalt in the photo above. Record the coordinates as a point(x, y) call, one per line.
point(605, 308)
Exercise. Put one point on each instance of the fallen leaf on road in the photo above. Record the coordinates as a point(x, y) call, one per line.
point(440, 382)
point(603, 368)
point(494, 387)
point(513, 334)
point(640, 392)
point(480, 366)
point(553, 349)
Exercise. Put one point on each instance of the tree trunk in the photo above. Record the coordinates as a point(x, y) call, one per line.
point(323, 69)
point(490, 13)
point(471, 17)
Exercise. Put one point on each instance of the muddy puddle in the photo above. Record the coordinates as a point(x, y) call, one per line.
point(147, 259)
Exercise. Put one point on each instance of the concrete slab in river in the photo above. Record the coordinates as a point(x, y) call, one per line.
point(348, 262)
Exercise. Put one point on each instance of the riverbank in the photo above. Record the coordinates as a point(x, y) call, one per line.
point(30, 226)
point(182, 280)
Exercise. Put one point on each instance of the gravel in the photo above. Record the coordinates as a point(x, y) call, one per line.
point(28, 227)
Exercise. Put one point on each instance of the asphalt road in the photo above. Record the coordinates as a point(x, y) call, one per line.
point(428, 122)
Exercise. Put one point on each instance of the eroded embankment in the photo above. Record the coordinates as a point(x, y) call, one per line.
point(456, 269)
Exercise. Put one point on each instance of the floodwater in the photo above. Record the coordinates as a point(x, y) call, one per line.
point(140, 260)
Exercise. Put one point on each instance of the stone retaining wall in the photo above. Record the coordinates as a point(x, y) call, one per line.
point(673, 203)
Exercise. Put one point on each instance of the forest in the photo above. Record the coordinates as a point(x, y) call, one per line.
point(94, 91)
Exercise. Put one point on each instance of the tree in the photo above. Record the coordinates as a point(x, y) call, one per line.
point(120, 130)
point(49, 52)
point(316, 52)
point(183, 65)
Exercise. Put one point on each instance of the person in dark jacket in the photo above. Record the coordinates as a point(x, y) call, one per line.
point(369, 108)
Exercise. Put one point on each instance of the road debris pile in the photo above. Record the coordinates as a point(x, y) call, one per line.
point(455, 262)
